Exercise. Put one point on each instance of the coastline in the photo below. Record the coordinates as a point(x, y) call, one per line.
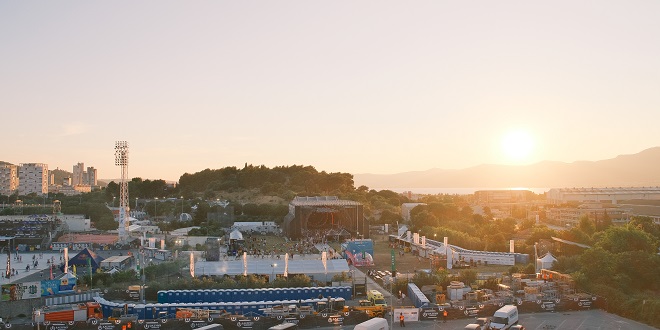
point(457, 191)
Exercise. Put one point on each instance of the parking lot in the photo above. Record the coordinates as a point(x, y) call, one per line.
point(579, 320)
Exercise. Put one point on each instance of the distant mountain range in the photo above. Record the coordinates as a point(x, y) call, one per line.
point(640, 169)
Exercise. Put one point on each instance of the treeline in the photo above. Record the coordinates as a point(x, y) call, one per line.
point(142, 189)
point(622, 266)
point(466, 229)
point(276, 181)
point(91, 205)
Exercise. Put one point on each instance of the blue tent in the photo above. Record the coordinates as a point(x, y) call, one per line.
point(83, 259)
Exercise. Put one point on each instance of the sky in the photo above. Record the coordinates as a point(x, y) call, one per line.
point(345, 86)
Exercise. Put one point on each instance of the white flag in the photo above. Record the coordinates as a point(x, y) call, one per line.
point(244, 263)
point(192, 264)
point(286, 265)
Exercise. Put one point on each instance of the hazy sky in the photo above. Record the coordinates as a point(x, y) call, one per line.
point(350, 86)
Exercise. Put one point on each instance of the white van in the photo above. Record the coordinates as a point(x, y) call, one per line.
point(504, 317)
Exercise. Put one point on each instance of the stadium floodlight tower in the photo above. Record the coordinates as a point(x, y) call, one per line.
point(121, 159)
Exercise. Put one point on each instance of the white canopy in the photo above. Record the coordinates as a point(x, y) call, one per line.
point(236, 235)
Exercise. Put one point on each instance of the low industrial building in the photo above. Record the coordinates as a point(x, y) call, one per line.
point(611, 195)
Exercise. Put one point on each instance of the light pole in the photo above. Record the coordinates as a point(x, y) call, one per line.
point(431, 254)
point(353, 281)
point(182, 206)
point(391, 304)
point(136, 200)
point(155, 207)
point(273, 276)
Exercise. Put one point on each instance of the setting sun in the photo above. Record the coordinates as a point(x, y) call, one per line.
point(517, 145)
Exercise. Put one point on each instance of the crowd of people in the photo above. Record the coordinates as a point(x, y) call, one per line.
point(259, 246)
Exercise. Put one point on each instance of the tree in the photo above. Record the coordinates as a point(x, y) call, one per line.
point(629, 238)
point(201, 213)
point(646, 224)
point(586, 225)
point(390, 217)
point(468, 276)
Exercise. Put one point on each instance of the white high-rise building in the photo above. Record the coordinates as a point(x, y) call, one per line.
point(78, 174)
point(33, 178)
point(8, 179)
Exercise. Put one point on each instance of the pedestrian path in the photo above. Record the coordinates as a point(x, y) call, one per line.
point(20, 266)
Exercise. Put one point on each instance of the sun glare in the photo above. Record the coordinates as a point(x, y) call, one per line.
point(517, 145)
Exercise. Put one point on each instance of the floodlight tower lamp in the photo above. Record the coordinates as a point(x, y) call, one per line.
point(121, 159)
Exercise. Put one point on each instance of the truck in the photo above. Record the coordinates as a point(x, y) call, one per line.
point(376, 298)
point(504, 317)
point(377, 323)
point(83, 312)
point(368, 307)
point(121, 316)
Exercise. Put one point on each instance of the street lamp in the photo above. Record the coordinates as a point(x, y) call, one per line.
point(155, 207)
point(182, 205)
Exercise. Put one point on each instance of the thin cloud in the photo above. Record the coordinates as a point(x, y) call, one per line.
point(74, 128)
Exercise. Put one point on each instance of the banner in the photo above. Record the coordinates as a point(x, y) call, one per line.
point(17, 291)
point(192, 264)
point(66, 260)
point(8, 271)
point(324, 259)
point(53, 287)
point(409, 314)
point(286, 265)
point(245, 264)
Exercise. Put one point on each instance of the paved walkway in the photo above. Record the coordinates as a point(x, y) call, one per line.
point(42, 268)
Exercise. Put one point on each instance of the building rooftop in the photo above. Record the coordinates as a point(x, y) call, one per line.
point(322, 201)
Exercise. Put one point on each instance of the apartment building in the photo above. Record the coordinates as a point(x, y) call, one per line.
point(91, 177)
point(33, 178)
point(570, 216)
point(8, 179)
point(82, 177)
point(78, 174)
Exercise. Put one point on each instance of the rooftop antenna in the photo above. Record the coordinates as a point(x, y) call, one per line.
point(121, 159)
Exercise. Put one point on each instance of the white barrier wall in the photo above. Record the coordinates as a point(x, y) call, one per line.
point(409, 314)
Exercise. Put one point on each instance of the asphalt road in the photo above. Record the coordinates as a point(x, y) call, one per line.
point(579, 320)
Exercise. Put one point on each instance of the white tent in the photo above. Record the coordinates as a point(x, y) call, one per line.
point(235, 236)
point(546, 261)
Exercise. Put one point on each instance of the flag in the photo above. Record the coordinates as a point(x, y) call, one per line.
point(74, 270)
point(51, 271)
point(192, 264)
point(8, 272)
point(66, 259)
point(286, 265)
point(244, 263)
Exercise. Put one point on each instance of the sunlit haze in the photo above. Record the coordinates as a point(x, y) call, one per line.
point(517, 145)
point(358, 87)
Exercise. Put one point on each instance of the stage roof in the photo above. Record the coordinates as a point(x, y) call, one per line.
point(263, 267)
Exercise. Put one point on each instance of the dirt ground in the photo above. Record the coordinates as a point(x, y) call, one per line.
point(408, 263)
